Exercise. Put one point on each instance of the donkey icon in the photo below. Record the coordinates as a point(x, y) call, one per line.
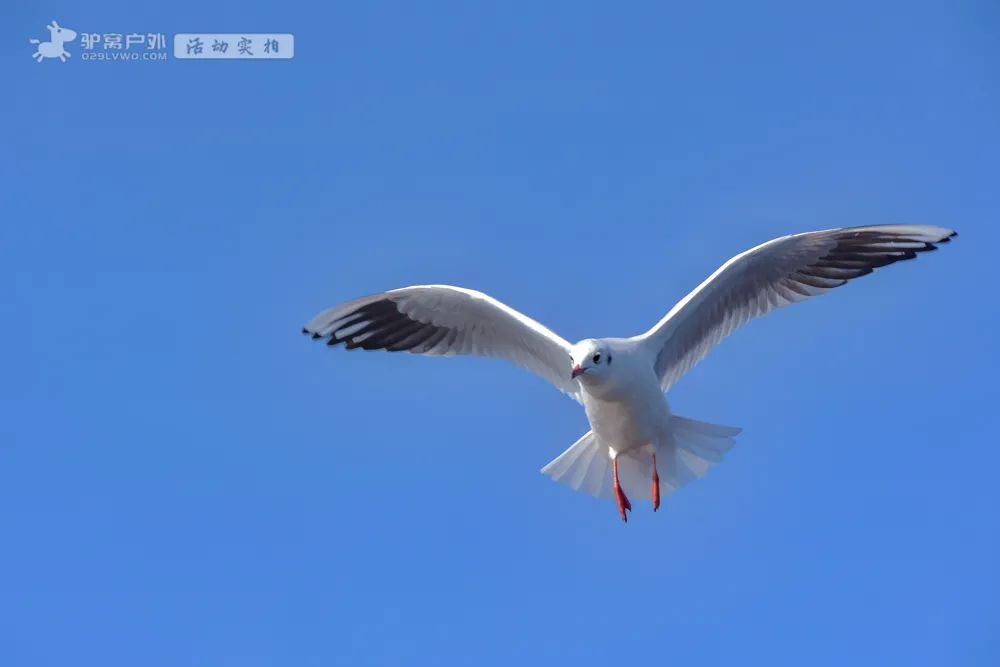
point(54, 47)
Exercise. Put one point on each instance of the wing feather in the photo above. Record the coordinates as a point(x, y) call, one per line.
point(441, 320)
point(782, 271)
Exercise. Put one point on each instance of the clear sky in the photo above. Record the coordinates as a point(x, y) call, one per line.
point(185, 480)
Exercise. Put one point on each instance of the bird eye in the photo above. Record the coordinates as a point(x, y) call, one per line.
point(597, 358)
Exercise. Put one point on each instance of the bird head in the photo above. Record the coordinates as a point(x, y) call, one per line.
point(589, 358)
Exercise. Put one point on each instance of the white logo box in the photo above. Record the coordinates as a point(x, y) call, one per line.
point(234, 45)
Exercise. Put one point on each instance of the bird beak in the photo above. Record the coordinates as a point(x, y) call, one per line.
point(577, 371)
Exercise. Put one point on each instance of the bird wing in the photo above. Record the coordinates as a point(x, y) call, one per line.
point(783, 271)
point(441, 320)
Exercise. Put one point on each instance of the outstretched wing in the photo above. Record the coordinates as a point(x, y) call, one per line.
point(774, 274)
point(442, 320)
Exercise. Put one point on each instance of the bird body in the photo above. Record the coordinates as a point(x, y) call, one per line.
point(626, 407)
point(621, 382)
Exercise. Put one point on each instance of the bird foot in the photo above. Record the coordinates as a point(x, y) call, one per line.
point(656, 485)
point(656, 491)
point(623, 503)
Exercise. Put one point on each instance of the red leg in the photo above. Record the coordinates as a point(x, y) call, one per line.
point(656, 485)
point(623, 503)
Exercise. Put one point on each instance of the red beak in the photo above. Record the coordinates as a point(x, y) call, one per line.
point(577, 371)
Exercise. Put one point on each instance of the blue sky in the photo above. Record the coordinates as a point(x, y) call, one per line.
point(185, 480)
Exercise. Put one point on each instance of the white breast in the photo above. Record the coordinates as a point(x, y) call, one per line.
point(627, 409)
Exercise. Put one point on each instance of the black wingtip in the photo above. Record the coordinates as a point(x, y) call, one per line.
point(311, 334)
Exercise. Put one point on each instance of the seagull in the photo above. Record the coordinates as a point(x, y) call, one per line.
point(622, 382)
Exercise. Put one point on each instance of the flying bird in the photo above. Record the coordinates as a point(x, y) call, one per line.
point(622, 382)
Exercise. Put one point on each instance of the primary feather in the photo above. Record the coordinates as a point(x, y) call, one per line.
point(442, 320)
point(774, 274)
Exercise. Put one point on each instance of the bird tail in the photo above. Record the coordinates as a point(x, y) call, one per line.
point(585, 466)
point(692, 448)
point(696, 447)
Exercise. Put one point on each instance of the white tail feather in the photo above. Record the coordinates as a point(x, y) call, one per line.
point(583, 467)
point(692, 448)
